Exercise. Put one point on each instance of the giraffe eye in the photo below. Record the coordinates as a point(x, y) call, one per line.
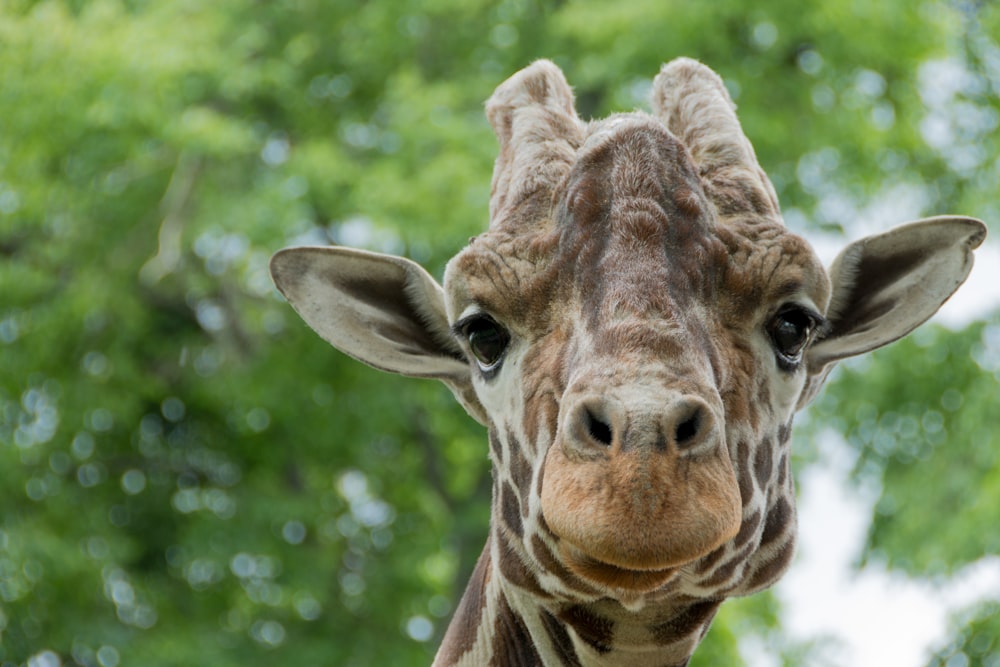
point(487, 340)
point(791, 331)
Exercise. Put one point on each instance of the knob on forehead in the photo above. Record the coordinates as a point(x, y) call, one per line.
point(541, 139)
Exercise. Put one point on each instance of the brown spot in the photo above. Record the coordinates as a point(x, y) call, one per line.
point(727, 569)
point(595, 630)
point(516, 571)
point(520, 468)
point(512, 644)
point(543, 525)
point(685, 624)
point(709, 561)
point(777, 521)
point(461, 634)
point(763, 463)
point(496, 446)
point(782, 471)
point(771, 571)
point(747, 530)
point(544, 384)
point(762, 398)
point(561, 640)
point(510, 510)
point(556, 568)
point(743, 473)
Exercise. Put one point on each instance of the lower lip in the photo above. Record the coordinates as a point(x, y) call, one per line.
point(614, 576)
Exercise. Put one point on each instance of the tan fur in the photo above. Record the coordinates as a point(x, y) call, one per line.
point(640, 415)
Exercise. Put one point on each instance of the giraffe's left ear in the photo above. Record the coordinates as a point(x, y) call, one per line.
point(385, 311)
point(885, 286)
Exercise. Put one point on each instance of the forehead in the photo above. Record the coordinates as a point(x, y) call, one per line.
point(631, 224)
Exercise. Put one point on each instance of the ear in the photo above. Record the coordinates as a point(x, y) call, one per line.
point(385, 311)
point(886, 286)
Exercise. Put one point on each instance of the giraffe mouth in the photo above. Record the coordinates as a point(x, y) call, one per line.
point(614, 576)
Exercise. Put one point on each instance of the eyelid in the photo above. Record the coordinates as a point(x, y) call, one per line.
point(458, 328)
point(822, 325)
point(474, 311)
point(469, 313)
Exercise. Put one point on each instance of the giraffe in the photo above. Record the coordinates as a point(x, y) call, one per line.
point(636, 330)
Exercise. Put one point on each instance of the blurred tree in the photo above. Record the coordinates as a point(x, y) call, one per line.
point(189, 476)
point(976, 642)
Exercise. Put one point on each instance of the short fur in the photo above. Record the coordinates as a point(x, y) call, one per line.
point(640, 415)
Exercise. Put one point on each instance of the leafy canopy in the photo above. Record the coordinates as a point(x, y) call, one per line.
point(189, 476)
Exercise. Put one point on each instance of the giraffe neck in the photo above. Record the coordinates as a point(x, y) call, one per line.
point(514, 614)
point(501, 624)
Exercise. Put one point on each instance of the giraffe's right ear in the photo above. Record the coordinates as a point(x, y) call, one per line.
point(385, 311)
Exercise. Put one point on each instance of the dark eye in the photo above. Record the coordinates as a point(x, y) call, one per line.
point(790, 331)
point(487, 340)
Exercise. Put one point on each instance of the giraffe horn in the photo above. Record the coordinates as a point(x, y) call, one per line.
point(691, 100)
point(539, 132)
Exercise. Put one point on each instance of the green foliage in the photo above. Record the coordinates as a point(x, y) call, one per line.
point(740, 618)
point(189, 476)
point(976, 642)
point(922, 416)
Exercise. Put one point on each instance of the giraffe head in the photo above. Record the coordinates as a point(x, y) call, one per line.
point(637, 329)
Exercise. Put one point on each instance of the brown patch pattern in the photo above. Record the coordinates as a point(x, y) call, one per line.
point(512, 645)
point(595, 630)
point(555, 567)
point(561, 640)
point(510, 510)
point(461, 634)
point(621, 254)
point(686, 623)
point(516, 571)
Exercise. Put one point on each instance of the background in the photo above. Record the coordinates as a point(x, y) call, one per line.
point(188, 476)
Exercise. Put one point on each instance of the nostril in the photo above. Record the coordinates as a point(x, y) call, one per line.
point(598, 430)
point(687, 430)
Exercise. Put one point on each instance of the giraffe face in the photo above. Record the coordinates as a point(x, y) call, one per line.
point(623, 348)
point(636, 329)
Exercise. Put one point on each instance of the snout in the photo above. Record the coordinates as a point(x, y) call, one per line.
point(638, 483)
point(604, 426)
